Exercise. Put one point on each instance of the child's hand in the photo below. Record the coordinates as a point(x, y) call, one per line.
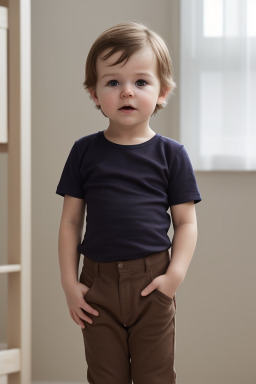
point(75, 299)
point(163, 283)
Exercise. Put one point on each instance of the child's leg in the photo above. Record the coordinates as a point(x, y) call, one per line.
point(152, 336)
point(105, 340)
point(129, 325)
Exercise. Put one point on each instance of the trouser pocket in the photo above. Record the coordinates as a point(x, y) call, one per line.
point(88, 278)
point(159, 269)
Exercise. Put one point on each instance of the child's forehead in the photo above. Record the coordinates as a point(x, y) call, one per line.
point(141, 61)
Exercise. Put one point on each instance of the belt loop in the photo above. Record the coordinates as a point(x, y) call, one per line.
point(147, 263)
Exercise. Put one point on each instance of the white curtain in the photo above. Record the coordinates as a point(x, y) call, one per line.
point(218, 83)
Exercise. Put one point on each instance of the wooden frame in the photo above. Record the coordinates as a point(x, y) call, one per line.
point(16, 360)
point(3, 74)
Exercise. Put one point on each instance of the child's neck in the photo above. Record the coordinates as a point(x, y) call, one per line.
point(128, 135)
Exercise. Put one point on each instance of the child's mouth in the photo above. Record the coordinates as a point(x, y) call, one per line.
point(127, 108)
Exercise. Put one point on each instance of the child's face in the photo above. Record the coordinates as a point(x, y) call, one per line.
point(134, 85)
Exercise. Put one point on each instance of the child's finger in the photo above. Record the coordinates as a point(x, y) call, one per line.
point(78, 319)
point(149, 288)
point(83, 316)
point(71, 315)
point(89, 309)
point(74, 317)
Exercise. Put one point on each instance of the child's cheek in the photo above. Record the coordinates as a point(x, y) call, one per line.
point(108, 103)
point(108, 93)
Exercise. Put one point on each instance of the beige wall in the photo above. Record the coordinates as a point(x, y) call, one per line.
point(216, 314)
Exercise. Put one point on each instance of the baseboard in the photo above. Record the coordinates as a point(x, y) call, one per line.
point(56, 382)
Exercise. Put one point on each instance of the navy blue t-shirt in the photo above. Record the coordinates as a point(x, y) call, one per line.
point(128, 190)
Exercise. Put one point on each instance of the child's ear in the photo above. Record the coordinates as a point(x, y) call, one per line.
point(94, 96)
point(163, 95)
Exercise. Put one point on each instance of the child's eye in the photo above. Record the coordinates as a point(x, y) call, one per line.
point(141, 83)
point(113, 83)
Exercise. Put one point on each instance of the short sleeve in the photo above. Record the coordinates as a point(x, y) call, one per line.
point(182, 183)
point(71, 182)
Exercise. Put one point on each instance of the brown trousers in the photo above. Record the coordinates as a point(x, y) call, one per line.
point(133, 338)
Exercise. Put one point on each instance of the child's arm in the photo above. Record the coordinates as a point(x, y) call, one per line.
point(183, 247)
point(70, 232)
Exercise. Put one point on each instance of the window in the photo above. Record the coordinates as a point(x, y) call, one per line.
point(218, 83)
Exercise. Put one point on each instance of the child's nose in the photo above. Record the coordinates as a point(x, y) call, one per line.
point(127, 92)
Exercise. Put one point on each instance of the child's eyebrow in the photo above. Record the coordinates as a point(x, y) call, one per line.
point(147, 74)
point(144, 74)
point(109, 75)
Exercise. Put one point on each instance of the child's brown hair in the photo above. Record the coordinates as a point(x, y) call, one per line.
point(129, 38)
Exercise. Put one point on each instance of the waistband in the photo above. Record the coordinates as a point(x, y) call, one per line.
point(126, 266)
